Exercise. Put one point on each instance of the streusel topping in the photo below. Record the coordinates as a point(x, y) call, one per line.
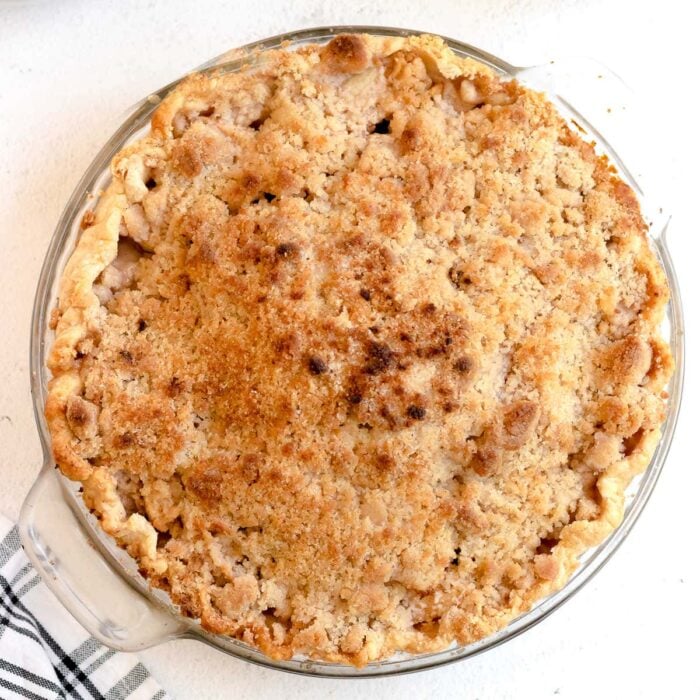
point(359, 350)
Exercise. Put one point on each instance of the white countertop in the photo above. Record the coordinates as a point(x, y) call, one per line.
point(68, 69)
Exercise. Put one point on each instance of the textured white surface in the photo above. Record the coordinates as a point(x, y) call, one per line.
point(68, 69)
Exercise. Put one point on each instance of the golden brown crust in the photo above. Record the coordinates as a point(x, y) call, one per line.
point(359, 350)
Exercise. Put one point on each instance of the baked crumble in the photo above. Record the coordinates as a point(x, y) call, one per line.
point(359, 350)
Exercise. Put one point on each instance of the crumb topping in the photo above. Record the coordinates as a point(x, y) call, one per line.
point(359, 350)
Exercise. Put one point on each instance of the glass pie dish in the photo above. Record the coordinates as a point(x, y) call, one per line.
point(100, 584)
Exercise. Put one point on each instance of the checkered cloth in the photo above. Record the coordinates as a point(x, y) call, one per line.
point(45, 653)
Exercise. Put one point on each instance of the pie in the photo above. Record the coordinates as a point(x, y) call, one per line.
point(359, 350)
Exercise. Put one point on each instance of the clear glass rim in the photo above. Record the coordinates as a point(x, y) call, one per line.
point(592, 561)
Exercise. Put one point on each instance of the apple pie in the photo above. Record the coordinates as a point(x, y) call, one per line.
point(359, 350)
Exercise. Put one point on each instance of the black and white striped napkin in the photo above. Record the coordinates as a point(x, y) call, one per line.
point(45, 653)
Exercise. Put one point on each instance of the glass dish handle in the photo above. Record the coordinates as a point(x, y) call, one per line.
point(111, 610)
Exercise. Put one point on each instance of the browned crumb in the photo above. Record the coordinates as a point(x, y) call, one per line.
point(88, 219)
